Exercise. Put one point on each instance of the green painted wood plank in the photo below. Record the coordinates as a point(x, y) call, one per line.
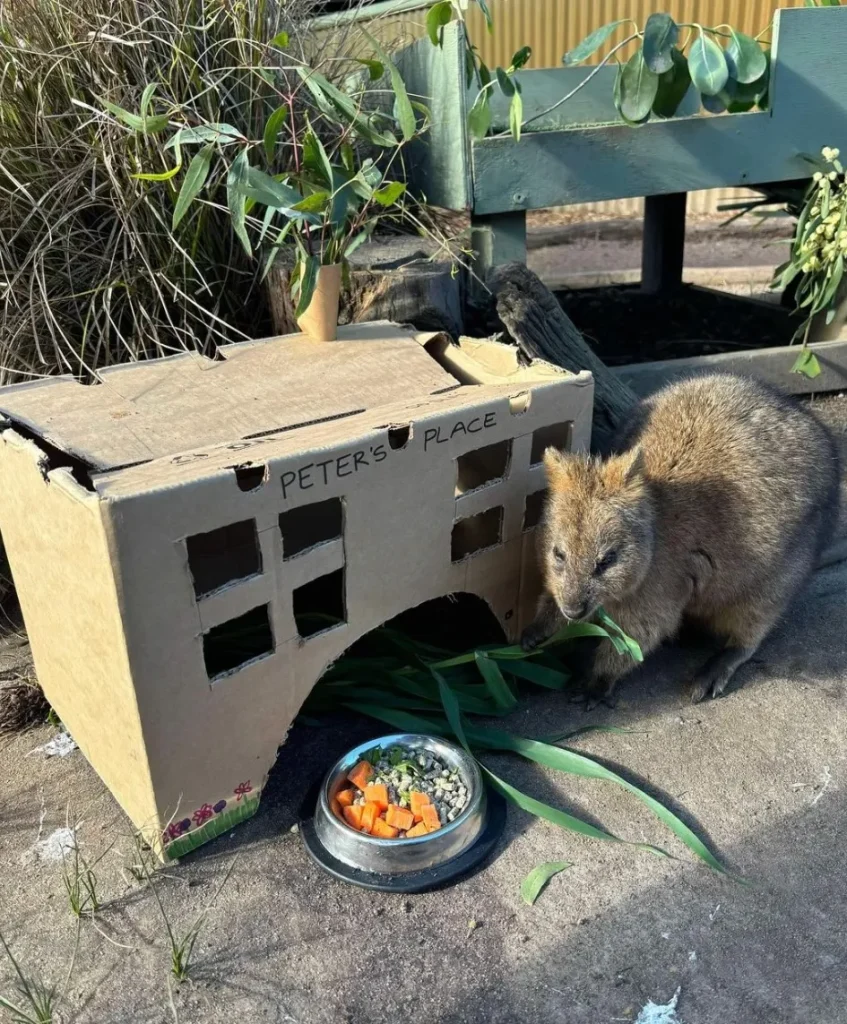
point(809, 110)
point(438, 166)
point(592, 105)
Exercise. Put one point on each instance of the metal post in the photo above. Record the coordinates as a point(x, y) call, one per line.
point(663, 242)
point(496, 239)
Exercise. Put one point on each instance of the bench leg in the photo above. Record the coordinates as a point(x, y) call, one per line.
point(663, 243)
point(496, 239)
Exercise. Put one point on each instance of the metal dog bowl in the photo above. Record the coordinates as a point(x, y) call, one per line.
point(403, 865)
point(395, 856)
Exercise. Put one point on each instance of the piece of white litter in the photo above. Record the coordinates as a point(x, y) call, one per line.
point(660, 1014)
point(692, 956)
point(54, 847)
point(60, 746)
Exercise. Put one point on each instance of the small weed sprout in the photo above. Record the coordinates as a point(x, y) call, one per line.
point(181, 945)
point(35, 1002)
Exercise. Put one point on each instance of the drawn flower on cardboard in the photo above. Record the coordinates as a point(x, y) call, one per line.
point(176, 829)
point(203, 814)
point(242, 789)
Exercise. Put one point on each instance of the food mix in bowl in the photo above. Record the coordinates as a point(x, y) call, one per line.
point(401, 793)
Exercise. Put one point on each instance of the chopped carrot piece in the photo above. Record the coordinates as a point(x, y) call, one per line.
point(345, 797)
point(419, 830)
point(416, 802)
point(377, 794)
point(360, 774)
point(370, 812)
point(383, 830)
point(430, 817)
point(353, 815)
point(399, 817)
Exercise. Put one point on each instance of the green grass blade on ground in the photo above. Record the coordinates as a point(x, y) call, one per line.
point(564, 760)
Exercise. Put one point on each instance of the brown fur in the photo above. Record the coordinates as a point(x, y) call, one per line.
point(717, 510)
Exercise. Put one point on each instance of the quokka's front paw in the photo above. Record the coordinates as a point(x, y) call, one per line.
point(532, 636)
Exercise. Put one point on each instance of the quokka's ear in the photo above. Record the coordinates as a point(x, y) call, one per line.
point(625, 470)
point(559, 466)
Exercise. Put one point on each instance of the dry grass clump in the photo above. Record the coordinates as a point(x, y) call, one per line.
point(90, 270)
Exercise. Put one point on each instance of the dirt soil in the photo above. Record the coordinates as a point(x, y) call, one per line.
point(624, 325)
point(761, 773)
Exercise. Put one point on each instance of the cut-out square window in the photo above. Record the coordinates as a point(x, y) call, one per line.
point(482, 466)
point(532, 509)
point(235, 643)
point(304, 527)
point(476, 533)
point(320, 604)
point(557, 435)
point(223, 556)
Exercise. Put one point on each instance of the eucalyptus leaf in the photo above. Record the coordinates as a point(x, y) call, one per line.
point(479, 116)
point(660, 36)
point(376, 69)
point(707, 65)
point(507, 86)
point(745, 58)
point(160, 175)
point(333, 101)
point(222, 133)
point(405, 113)
point(807, 364)
point(521, 57)
point(536, 881)
point(195, 179)
point(516, 116)
point(673, 85)
point(592, 43)
point(437, 17)
point(236, 199)
point(486, 13)
point(638, 88)
point(315, 157)
point(389, 193)
point(272, 127)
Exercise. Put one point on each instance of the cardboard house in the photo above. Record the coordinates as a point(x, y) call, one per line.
point(293, 492)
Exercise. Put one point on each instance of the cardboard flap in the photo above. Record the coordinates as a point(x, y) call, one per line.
point(145, 411)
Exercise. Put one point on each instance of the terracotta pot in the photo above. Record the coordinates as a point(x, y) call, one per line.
point(320, 321)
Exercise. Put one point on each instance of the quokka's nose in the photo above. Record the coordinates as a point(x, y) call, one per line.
point(575, 612)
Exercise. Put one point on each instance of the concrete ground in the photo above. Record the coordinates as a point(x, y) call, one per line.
point(761, 773)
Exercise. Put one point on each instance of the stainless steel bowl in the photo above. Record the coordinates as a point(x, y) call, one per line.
point(397, 856)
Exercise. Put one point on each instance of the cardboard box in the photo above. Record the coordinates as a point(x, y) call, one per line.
point(159, 520)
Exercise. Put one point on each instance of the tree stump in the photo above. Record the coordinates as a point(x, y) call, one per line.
point(538, 325)
point(389, 280)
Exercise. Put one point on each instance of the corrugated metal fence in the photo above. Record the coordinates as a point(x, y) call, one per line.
point(552, 27)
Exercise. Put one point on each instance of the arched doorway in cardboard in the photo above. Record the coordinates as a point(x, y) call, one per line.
point(457, 622)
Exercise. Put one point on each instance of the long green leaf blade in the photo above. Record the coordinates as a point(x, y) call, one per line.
point(195, 179)
point(496, 685)
point(573, 763)
point(536, 881)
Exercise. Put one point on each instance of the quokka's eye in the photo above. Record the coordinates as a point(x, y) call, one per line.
point(559, 555)
point(606, 562)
